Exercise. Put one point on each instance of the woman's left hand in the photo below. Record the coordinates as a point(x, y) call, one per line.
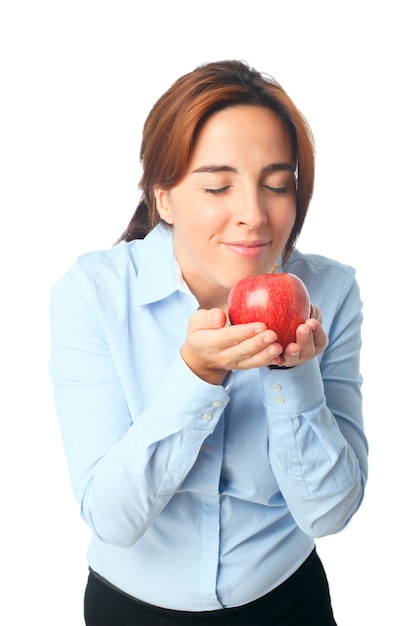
point(311, 340)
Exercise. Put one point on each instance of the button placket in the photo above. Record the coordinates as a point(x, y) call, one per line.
point(278, 399)
point(208, 415)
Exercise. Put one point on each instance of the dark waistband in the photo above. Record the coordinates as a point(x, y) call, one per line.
point(284, 589)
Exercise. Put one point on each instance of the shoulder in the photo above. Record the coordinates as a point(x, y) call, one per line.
point(316, 270)
point(329, 282)
point(118, 274)
point(99, 280)
point(102, 267)
point(312, 264)
point(113, 261)
point(124, 260)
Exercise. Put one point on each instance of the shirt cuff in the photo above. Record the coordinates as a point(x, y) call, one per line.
point(186, 401)
point(293, 391)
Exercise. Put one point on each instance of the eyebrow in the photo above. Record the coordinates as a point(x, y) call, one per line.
point(214, 168)
point(278, 167)
point(273, 167)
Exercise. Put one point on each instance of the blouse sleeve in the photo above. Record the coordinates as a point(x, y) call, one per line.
point(124, 469)
point(318, 449)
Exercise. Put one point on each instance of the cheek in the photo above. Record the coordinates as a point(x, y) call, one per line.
point(189, 231)
point(200, 221)
point(283, 221)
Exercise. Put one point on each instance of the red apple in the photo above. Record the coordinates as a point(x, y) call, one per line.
point(280, 301)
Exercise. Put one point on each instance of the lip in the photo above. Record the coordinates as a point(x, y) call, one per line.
point(248, 249)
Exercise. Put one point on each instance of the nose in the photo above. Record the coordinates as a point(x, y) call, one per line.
point(251, 212)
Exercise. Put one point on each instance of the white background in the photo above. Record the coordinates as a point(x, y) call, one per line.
point(77, 80)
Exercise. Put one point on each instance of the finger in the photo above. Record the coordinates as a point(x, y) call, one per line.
point(248, 345)
point(204, 319)
point(302, 350)
point(233, 335)
point(320, 338)
point(217, 317)
point(315, 313)
point(311, 338)
point(257, 355)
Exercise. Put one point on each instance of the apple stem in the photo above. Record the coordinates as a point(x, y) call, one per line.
point(274, 269)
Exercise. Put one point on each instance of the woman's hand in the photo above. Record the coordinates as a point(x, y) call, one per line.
point(213, 347)
point(311, 340)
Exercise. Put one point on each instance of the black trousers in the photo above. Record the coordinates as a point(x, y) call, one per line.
point(302, 600)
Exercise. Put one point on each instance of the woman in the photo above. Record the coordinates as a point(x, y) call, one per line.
point(204, 457)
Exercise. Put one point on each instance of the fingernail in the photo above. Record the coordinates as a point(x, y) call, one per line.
point(273, 352)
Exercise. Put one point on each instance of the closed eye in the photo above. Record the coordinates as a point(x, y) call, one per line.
point(276, 190)
point(216, 191)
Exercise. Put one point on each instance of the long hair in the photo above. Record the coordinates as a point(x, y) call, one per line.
point(172, 125)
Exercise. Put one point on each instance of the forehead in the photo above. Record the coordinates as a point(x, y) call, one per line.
point(244, 138)
point(243, 126)
point(235, 115)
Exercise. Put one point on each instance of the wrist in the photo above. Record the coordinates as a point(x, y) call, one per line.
point(209, 375)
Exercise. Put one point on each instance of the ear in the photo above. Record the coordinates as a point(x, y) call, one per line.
point(163, 204)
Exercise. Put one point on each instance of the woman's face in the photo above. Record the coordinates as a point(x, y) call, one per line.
point(233, 211)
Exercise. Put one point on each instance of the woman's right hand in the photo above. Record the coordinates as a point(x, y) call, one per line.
point(213, 347)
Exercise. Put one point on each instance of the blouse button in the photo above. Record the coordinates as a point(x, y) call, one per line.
point(276, 387)
point(279, 400)
point(207, 416)
point(217, 404)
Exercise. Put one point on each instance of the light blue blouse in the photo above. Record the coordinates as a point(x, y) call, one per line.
point(201, 496)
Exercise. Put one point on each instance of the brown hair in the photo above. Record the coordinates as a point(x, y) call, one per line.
point(171, 127)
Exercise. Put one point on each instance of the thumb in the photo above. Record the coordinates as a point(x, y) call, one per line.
point(218, 317)
point(204, 319)
point(315, 313)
